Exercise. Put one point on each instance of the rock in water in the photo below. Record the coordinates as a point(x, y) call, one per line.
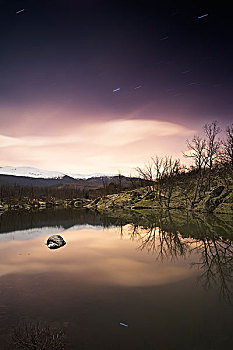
point(55, 242)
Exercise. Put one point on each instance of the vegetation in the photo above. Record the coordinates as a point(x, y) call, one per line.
point(35, 335)
point(207, 185)
point(75, 195)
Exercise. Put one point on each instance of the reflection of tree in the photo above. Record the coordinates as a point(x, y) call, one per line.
point(216, 264)
point(215, 248)
point(199, 237)
point(164, 244)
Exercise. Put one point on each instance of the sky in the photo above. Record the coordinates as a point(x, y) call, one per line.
point(92, 86)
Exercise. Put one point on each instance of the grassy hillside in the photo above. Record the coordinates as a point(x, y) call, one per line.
point(218, 200)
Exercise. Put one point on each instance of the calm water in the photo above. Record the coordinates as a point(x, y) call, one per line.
point(168, 277)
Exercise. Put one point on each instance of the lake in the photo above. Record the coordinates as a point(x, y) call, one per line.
point(166, 276)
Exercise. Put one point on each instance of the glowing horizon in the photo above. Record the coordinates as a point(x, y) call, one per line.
point(106, 146)
point(100, 91)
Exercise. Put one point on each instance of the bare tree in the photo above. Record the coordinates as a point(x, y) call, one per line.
point(161, 174)
point(213, 146)
point(228, 145)
point(173, 169)
point(160, 169)
point(197, 152)
point(147, 173)
point(186, 185)
point(133, 181)
point(104, 183)
point(120, 181)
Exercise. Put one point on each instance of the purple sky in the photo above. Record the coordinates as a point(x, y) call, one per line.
point(61, 60)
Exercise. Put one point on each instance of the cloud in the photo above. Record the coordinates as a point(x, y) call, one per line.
point(104, 146)
point(36, 141)
point(7, 141)
point(122, 132)
point(110, 133)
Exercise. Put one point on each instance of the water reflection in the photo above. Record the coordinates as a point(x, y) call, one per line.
point(216, 264)
point(168, 236)
point(23, 225)
point(98, 259)
point(129, 267)
point(208, 238)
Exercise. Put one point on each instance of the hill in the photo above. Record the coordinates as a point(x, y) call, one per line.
point(218, 200)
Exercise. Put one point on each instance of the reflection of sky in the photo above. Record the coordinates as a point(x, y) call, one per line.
point(32, 233)
point(97, 257)
point(99, 279)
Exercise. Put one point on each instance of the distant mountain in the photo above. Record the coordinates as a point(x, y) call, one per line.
point(28, 176)
point(87, 176)
point(42, 174)
point(33, 181)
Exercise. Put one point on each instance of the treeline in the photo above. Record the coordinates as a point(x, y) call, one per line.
point(11, 194)
point(18, 192)
point(212, 165)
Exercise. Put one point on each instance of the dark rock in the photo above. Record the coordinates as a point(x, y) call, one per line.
point(217, 191)
point(97, 200)
point(78, 204)
point(150, 195)
point(49, 204)
point(214, 199)
point(55, 242)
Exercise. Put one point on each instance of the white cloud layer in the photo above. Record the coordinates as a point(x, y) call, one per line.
point(99, 146)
